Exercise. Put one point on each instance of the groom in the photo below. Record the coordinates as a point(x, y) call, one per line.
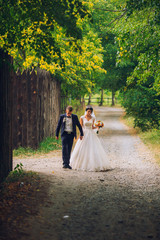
point(67, 122)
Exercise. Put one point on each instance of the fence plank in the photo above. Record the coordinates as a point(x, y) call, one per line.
point(24, 108)
point(5, 115)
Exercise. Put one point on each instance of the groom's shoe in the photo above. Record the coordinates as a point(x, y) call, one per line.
point(65, 166)
point(69, 167)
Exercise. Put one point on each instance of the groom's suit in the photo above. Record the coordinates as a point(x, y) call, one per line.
point(67, 137)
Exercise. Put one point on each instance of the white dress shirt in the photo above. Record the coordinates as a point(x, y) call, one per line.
point(68, 125)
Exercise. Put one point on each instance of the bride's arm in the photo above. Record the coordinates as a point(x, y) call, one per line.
point(93, 127)
point(81, 121)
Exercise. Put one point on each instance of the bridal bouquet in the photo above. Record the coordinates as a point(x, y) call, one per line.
point(99, 124)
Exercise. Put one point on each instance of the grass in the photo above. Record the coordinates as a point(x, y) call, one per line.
point(151, 137)
point(47, 145)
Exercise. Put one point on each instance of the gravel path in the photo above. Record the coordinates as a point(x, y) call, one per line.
point(123, 203)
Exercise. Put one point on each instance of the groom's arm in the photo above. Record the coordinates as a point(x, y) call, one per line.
point(58, 126)
point(79, 126)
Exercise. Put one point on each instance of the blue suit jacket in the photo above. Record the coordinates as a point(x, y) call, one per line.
point(75, 122)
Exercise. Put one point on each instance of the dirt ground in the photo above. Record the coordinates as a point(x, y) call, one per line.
point(122, 203)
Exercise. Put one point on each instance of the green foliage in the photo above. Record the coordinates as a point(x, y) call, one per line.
point(105, 12)
point(28, 28)
point(142, 4)
point(55, 36)
point(138, 45)
point(138, 38)
point(83, 67)
point(116, 75)
point(90, 45)
point(17, 173)
point(18, 169)
point(78, 107)
point(19, 15)
point(143, 104)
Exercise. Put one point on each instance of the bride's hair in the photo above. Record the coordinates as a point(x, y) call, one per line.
point(89, 108)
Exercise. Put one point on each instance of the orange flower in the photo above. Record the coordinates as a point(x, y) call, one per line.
point(99, 124)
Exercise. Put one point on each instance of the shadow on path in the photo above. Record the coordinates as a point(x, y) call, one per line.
point(114, 205)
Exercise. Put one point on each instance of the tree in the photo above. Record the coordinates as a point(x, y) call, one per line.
point(138, 39)
point(105, 14)
point(6, 115)
point(28, 28)
point(116, 75)
point(55, 38)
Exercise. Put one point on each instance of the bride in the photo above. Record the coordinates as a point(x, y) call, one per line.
point(88, 153)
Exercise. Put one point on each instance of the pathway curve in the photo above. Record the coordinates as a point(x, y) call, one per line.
point(123, 203)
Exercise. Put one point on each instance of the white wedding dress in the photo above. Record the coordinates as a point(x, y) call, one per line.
point(88, 153)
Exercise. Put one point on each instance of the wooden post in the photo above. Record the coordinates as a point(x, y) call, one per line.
point(33, 92)
point(113, 98)
point(5, 115)
point(101, 101)
point(89, 99)
point(15, 111)
point(24, 108)
point(19, 109)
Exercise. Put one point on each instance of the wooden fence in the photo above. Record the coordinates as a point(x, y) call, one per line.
point(106, 101)
point(5, 115)
point(36, 107)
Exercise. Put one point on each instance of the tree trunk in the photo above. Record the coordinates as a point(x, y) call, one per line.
point(89, 99)
point(5, 116)
point(113, 98)
point(83, 102)
point(101, 101)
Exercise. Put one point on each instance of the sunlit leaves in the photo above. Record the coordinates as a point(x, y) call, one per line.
point(55, 36)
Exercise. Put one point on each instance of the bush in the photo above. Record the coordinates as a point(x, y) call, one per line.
point(144, 105)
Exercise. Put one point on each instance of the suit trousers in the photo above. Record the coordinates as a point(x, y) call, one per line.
point(67, 142)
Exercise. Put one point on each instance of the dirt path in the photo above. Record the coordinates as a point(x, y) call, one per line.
point(123, 203)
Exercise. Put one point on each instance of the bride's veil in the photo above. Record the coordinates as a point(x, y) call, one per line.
point(92, 114)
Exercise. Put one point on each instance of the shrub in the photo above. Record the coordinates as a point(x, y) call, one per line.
point(144, 105)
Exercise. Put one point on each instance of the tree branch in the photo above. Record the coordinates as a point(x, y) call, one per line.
point(117, 18)
point(110, 10)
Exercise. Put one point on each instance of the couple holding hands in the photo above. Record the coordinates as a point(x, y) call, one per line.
point(88, 153)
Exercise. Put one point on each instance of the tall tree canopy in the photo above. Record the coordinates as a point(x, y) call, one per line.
point(90, 44)
point(105, 15)
point(28, 26)
point(55, 36)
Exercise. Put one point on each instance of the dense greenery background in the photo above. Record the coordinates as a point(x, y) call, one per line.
point(90, 45)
